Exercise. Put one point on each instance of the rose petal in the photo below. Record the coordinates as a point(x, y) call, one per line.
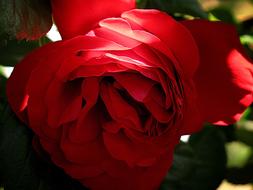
point(118, 108)
point(192, 120)
point(88, 126)
point(224, 79)
point(124, 149)
point(78, 171)
point(37, 86)
point(17, 83)
point(123, 27)
point(154, 103)
point(97, 67)
point(171, 32)
point(136, 178)
point(77, 17)
point(104, 180)
point(82, 50)
point(63, 101)
point(135, 84)
point(87, 153)
point(116, 37)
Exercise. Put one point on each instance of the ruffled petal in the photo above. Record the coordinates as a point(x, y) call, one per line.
point(119, 109)
point(38, 84)
point(88, 126)
point(75, 170)
point(125, 28)
point(123, 148)
point(224, 81)
point(63, 102)
point(135, 84)
point(87, 153)
point(171, 32)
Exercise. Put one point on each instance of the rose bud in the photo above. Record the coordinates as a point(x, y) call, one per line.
point(109, 105)
point(79, 16)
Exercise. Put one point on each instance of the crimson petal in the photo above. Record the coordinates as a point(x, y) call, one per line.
point(224, 79)
point(77, 17)
point(172, 33)
point(17, 83)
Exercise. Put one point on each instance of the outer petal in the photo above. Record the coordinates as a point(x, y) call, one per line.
point(224, 78)
point(78, 17)
point(137, 178)
point(17, 83)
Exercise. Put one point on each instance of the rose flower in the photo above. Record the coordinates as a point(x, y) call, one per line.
point(110, 101)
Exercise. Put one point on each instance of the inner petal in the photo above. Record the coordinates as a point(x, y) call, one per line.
point(135, 84)
point(63, 101)
point(118, 108)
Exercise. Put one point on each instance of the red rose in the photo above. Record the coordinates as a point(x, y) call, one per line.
point(110, 105)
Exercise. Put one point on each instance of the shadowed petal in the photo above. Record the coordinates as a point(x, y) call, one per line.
point(224, 79)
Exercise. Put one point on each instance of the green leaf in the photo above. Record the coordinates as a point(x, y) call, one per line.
point(16, 154)
point(12, 51)
point(20, 166)
point(184, 7)
point(238, 154)
point(199, 164)
point(244, 133)
point(3, 80)
point(224, 14)
point(246, 39)
point(25, 19)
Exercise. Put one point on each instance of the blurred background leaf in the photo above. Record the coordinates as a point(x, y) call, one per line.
point(200, 163)
point(224, 14)
point(25, 19)
point(182, 7)
point(12, 50)
point(20, 167)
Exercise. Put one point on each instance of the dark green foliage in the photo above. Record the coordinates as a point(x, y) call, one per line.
point(199, 164)
point(224, 14)
point(12, 50)
point(25, 19)
point(20, 166)
point(184, 7)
